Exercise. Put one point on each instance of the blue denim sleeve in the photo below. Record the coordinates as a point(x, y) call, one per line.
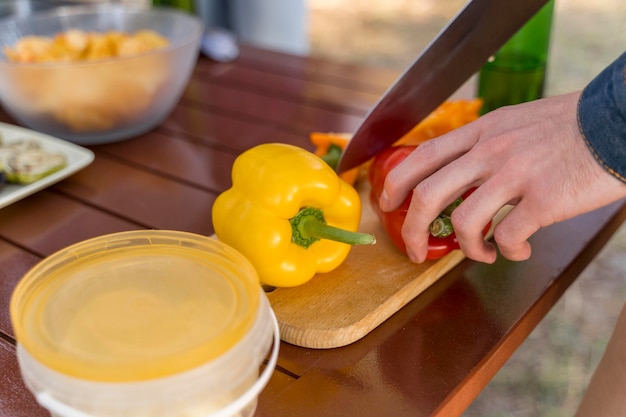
point(602, 117)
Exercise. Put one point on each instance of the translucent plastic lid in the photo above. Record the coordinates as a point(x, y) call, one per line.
point(135, 305)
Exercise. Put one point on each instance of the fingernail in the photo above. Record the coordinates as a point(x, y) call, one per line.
point(384, 201)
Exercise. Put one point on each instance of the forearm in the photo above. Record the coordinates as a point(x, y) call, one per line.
point(602, 121)
point(606, 393)
point(602, 118)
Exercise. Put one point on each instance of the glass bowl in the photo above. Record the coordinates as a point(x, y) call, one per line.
point(99, 101)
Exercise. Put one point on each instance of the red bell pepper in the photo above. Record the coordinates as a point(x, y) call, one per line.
point(442, 239)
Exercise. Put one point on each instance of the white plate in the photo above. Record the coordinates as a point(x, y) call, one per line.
point(77, 158)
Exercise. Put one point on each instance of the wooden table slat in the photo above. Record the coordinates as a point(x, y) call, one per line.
point(296, 88)
point(368, 79)
point(277, 111)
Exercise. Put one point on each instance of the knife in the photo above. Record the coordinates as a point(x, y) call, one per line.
point(459, 51)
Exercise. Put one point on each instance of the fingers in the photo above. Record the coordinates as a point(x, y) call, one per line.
point(528, 155)
point(429, 199)
point(513, 232)
point(423, 162)
point(470, 220)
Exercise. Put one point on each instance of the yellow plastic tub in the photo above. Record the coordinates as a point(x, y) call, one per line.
point(144, 323)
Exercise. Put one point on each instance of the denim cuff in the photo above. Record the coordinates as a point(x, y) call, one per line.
point(602, 117)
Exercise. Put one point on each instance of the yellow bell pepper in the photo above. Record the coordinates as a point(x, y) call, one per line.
point(289, 213)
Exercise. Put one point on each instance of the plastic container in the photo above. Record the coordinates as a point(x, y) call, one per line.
point(100, 101)
point(145, 323)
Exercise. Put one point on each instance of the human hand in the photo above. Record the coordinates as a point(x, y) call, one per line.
point(531, 156)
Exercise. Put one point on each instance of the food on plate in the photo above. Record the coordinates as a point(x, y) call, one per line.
point(289, 213)
point(442, 239)
point(80, 89)
point(25, 161)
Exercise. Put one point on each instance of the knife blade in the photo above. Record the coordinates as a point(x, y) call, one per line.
point(459, 51)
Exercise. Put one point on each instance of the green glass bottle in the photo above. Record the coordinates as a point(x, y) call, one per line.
point(516, 73)
point(186, 5)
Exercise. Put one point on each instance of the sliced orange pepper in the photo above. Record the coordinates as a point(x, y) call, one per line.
point(447, 117)
point(324, 143)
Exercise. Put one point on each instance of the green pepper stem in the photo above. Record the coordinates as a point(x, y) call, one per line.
point(441, 226)
point(448, 210)
point(309, 226)
point(333, 155)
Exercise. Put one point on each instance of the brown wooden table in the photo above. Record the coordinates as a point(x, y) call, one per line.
point(430, 359)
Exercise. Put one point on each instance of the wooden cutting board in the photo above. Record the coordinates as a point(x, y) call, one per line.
point(340, 307)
